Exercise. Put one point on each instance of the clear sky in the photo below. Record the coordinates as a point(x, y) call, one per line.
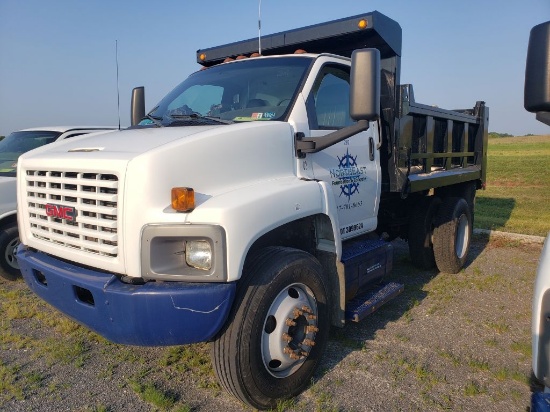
point(57, 57)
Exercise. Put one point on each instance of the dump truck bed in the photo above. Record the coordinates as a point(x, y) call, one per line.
point(430, 147)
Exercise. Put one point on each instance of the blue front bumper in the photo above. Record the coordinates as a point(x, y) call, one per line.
point(153, 314)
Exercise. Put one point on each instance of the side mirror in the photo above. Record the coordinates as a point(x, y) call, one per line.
point(364, 101)
point(137, 110)
point(537, 73)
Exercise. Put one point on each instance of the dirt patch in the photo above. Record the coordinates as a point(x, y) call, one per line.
point(458, 342)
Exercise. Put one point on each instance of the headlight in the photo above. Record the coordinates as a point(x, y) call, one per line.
point(182, 252)
point(198, 253)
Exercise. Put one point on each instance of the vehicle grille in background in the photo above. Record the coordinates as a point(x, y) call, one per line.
point(94, 196)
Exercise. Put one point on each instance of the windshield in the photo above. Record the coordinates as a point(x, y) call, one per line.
point(247, 90)
point(17, 143)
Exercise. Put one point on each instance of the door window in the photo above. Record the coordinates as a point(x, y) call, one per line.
point(328, 102)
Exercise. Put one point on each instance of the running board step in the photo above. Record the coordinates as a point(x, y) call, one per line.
point(366, 303)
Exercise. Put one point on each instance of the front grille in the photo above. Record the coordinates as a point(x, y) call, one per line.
point(91, 227)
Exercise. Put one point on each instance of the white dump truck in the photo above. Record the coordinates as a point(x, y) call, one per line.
point(254, 204)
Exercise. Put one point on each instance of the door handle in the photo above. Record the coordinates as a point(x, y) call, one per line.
point(371, 148)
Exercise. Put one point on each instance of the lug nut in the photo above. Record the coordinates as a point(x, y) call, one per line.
point(311, 317)
point(311, 329)
point(306, 309)
point(290, 322)
point(287, 337)
point(308, 342)
point(292, 354)
point(297, 312)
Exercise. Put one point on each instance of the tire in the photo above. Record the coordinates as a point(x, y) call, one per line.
point(9, 240)
point(272, 343)
point(421, 227)
point(452, 235)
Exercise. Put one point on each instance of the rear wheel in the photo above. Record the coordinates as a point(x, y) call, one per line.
point(452, 235)
point(9, 240)
point(277, 330)
point(421, 227)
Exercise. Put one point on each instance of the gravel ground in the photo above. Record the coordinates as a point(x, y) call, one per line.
point(449, 342)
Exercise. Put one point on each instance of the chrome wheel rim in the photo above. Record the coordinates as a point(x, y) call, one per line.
point(462, 236)
point(11, 249)
point(289, 330)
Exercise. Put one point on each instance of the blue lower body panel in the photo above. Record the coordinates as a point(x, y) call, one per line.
point(366, 263)
point(540, 402)
point(153, 314)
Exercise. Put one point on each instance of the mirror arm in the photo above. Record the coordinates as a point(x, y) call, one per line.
point(544, 117)
point(317, 144)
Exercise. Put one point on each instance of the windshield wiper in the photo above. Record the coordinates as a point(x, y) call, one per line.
point(198, 116)
point(154, 119)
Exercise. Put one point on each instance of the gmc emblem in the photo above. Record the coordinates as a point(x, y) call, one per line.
point(61, 212)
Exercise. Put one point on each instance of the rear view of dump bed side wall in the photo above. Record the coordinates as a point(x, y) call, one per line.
point(432, 147)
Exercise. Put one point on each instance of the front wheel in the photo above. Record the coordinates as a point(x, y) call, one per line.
point(452, 235)
point(278, 328)
point(9, 240)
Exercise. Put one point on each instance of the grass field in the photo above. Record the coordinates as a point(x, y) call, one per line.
point(517, 198)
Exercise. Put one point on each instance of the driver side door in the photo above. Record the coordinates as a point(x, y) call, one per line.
point(351, 167)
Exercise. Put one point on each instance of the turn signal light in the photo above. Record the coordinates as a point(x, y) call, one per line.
point(183, 199)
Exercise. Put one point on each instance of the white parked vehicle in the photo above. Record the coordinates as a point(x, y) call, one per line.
point(11, 147)
point(540, 322)
point(537, 100)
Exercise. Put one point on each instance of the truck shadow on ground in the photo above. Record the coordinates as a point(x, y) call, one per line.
point(356, 336)
point(490, 212)
point(493, 212)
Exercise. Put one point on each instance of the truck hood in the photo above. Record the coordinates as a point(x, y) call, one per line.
point(115, 145)
point(215, 159)
point(208, 158)
point(4, 180)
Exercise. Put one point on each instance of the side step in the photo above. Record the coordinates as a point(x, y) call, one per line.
point(366, 303)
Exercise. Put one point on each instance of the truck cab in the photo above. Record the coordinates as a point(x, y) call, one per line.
point(271, 91)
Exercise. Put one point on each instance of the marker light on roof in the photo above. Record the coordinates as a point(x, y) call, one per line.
point(202, 56)
point(362, 24)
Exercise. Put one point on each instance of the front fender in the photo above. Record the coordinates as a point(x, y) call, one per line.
point(249, 212)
